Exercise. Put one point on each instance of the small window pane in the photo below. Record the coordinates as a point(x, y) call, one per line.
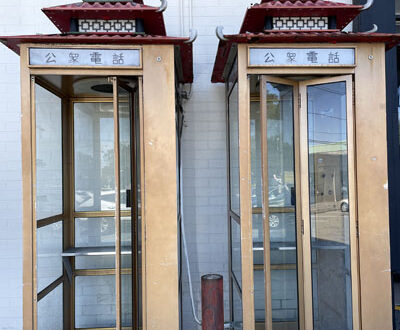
point(236, 251)
point(126, 300)
point(94, 157)
point(100, 232)
point(48, 154)
point(237, 309)
point(49, 249)
point(95, 232)
point(95, 301)
point(234, 150)
point(50, 310)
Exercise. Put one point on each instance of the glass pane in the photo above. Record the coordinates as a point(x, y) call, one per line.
point(126, 300)
point(256, 199)
point(49, 249)
point(95, 232)
point(50, 310)
point(95, 301)
point(124, 111)
point(48, 154)
point(234, 150)
point(94, 157)
point(237, 309)
point(329, 206)
point(281, 202)
point(127, 200)
point(236, 251)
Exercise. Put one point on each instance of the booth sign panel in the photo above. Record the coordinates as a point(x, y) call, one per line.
point(302, 56)
point(84, 57)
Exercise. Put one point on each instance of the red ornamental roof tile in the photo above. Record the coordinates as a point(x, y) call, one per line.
point(185, 49)
point(61, 15)
point(255, 16)
point(273, 37)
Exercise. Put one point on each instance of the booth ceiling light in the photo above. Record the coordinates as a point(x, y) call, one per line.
point(103, 88)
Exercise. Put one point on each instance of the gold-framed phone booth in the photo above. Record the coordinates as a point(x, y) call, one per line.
point(307, 176)
point(99, 191)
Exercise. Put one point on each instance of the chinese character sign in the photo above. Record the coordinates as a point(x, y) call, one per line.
point(84, 57)
point(302, 56)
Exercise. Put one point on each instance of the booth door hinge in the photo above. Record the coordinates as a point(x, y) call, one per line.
point(299, 101)
point(302, 226)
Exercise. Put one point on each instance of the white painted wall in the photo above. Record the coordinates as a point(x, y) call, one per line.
point(203, 145)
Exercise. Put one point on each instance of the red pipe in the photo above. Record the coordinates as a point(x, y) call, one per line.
point(212, 302)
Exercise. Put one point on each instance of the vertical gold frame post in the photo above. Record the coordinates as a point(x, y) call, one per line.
point(117, 205)
point(142, 215)
point(265, 204)
point(33, 219)
point(308, 295)
point(246, 211)
point(265, 189)
point(372, 188)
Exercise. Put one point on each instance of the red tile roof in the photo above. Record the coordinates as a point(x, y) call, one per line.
point(255, 16)
point(185, 49)
point(294, 37)
point(61, 15)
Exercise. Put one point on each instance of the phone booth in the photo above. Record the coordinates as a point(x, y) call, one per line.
point(100, 110)
point(308, 185)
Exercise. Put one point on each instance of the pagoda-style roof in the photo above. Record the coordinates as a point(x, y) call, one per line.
point(152, 17)
point(293, 37)
point(255, 16)
point(111, 23)
point(296, 22)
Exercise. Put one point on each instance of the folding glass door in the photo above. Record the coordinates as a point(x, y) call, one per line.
point(303, 200)
point(87, 157)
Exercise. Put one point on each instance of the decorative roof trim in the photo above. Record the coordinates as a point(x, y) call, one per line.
point(299, 37)
point(185, 49)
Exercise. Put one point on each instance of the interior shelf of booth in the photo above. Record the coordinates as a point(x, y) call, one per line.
point(94, 251)
point(89, 251)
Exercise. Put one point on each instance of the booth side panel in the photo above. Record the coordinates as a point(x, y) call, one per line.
point(372, 183)
point(26, 128)
point(161, 309)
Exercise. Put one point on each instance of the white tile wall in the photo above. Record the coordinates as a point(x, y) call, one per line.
point(203, 145)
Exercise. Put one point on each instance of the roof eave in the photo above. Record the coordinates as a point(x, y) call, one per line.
point(390, 40)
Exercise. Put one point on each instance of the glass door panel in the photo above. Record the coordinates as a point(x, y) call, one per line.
point(274, 141)
point(48, 213)
point(328, 105)
point(124, 108)
point(94, 156)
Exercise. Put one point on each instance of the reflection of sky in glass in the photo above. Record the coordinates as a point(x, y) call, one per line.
point(327, 114)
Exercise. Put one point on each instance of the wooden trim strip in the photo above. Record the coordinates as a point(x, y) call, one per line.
point(117, 205)
point(33, 201)
point(100, 214)
point(50, 220)
point(245, 191)
point(143, 204)
point(50, 288)
point(258, 210)
point(50, 87)
point(27, 100)
point(99, 272)
point(265, 203)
